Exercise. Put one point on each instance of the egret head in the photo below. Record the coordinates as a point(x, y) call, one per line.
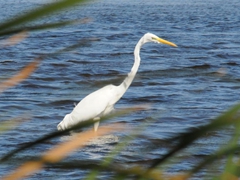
point(149, 37)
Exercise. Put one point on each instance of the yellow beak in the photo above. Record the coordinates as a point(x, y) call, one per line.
point(163, 41)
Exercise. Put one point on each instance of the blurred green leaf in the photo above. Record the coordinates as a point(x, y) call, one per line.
point(11, 123)
point(118, 149)
point(81, 125)
point(35, 14)
point(210, 159)
point(230, 165)
point(60, 151)
point(119, 169)
point(186, 139)
point(45, 26)
point(230, 150)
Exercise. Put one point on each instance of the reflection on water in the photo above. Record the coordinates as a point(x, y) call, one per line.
point(102, 140)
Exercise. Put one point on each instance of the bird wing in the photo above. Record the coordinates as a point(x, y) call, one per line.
point(96, 104)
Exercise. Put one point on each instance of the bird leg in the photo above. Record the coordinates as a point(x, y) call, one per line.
point(96, 124)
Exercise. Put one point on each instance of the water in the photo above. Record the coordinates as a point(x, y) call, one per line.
point(186, 86)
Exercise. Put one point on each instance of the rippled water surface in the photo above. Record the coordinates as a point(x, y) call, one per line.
point(186, 86)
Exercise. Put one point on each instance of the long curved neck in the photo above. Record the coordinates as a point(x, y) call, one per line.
point(128, 80)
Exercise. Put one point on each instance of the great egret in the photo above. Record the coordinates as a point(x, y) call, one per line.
point(101, 102)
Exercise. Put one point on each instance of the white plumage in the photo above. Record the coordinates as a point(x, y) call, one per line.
point(101, 102)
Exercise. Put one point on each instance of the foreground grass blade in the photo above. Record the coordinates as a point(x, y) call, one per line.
point(228, 151)
point(60, 151)
point(15, 39)
point(80, 43)
point(116, 169)
point(210, 159)
point(186, 139)
point(119, 148)
point(46, 26)
point(55, 134)
point(22, 75)
point(38, 13)
point(11, 123)
point(26, 72)
point(31, 67)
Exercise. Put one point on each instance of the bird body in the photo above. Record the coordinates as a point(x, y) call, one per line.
point(101, 102)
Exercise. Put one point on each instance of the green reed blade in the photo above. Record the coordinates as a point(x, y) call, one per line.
point(38, 13)
point(187, 138)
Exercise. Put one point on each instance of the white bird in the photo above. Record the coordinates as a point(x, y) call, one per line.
point(101, 102)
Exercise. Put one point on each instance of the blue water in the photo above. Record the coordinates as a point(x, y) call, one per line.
point(186, 86)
